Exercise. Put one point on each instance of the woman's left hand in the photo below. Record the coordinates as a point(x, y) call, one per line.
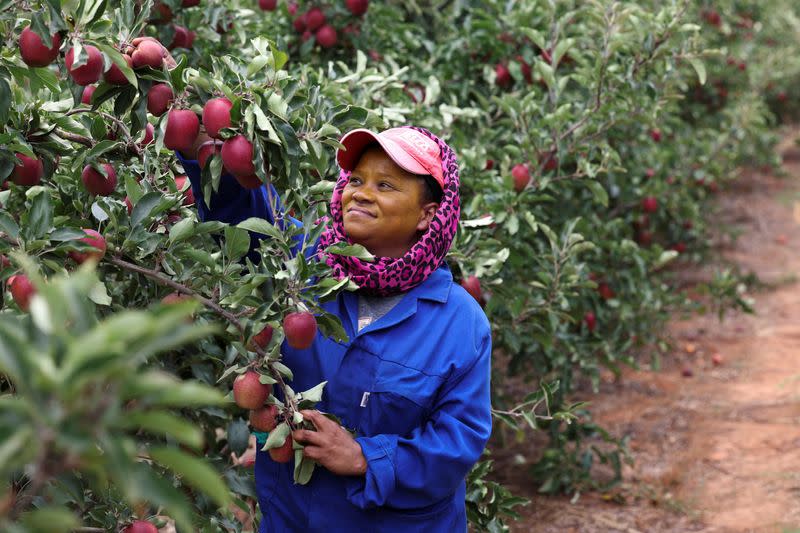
point(331, 446)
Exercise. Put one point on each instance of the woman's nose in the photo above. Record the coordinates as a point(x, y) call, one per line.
point(362, 195)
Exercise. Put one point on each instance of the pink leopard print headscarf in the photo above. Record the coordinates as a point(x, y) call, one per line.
point(392, 275)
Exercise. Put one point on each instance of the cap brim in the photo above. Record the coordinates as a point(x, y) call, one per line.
point(357, 140)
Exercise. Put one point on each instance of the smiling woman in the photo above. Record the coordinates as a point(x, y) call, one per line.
point(413, 379)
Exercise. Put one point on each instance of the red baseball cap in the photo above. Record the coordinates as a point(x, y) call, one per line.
point(411, 150)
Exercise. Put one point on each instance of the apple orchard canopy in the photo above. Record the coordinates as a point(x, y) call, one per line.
point(420, 152)
point(410, 149)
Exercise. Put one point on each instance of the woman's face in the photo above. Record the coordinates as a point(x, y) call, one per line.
point(382, 205)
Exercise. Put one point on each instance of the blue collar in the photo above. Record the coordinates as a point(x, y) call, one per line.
point(435, 288)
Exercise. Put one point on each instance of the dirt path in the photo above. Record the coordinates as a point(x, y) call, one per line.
point(719, 451)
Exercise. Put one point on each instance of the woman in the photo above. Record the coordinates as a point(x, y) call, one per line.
point(413, 380)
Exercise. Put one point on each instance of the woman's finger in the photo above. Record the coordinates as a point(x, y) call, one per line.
point(304, 436)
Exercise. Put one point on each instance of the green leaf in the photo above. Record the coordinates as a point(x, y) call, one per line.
point(101, 148)
point(99, 295)
point(143, 207)
point(259, 225)
point(40, 217)
point(196, 472)
point(351, 250)
point(284, 370)
point(182, 230)
point(51, 519)
point(237, 243)
point(314, 394)
point(303, 468)
point(598, 191)
point(700, 68)
point(8, 225)
point(277, 437)
point(164, 423)
point(158, 388)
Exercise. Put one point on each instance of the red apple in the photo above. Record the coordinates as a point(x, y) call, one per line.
point(502, 75)
point(164, 12)
point(5, 262)
point(473, 286)
point(300, 330)
point(326, 36)
point(22, 290)
point(237, 156)
point(548, 161)
point(217, 115)
point(206, 151)
point(175, 298)
point(268, 5)
point(299, 24)
point(655, 134)
point(114, 75)
point(649, 173)
point(644, 237)
point(159, 97)
point(249, 392)
point(128, 205)
point(306, 35)
point(148, 135)
point(357, 7)
point(679, 247)
point(98, 184)
point(249, 182)
point(605, 291)
point(95, 239)
point(264, 419)
point(148, 53)
point(33, 51)
point(590, 320)
point(261, 339)
point(314, 18)
point(29, 172)
point(140, 526)
point(521, 175)
point(489, 164)
point(90, 71)
point(284, 453)
point(188, 195)
point(88, 91)
point(183, 127)
point(181, 39)
point(649, 204)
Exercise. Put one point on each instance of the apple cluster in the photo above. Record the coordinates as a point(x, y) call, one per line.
point(300, 329)
point(314, 23)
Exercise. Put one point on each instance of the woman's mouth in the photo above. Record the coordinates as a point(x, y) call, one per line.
point(361, 212)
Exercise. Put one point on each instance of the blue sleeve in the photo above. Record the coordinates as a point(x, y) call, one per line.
point(232, 203)
point(428, 465)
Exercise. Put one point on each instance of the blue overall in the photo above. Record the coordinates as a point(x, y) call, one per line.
point(414, 385)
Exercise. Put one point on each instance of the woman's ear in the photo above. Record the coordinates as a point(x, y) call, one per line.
point(427, 212)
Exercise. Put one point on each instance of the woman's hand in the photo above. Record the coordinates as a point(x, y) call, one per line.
point(331, 446)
